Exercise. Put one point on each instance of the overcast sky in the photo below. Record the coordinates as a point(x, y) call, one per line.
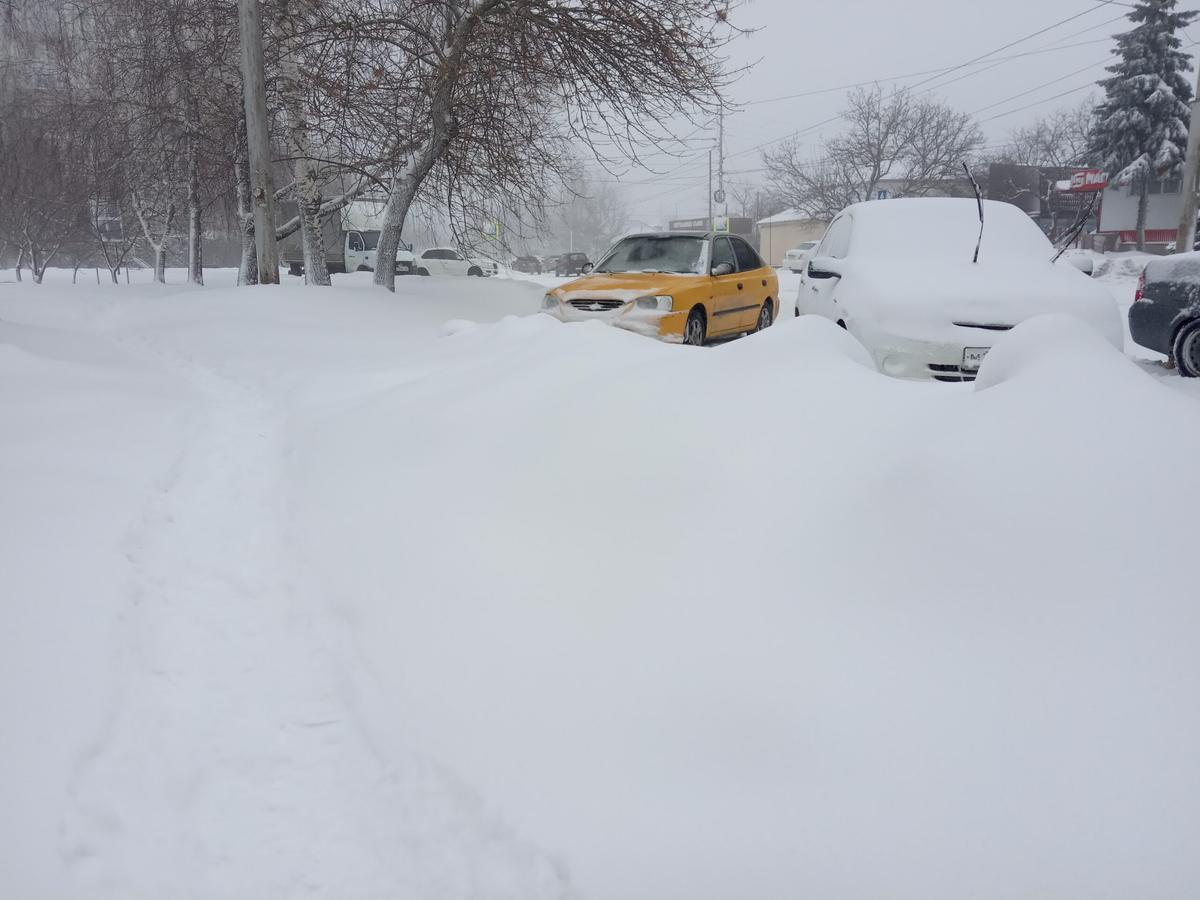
point(800, 46)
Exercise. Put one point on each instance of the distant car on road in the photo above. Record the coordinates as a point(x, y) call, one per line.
point(899, 276)
point(530, 265)
point(572, 264)
point(795, 260)
point(1165, 315)
point(678, 287)
point(448, 261)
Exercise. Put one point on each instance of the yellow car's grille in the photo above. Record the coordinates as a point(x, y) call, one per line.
point(596, 305)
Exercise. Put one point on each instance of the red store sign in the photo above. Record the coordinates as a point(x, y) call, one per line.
point(1088, 180)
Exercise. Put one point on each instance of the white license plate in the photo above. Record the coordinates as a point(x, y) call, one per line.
point(973, 358)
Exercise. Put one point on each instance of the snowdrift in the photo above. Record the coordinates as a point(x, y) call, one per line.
point(365, 604)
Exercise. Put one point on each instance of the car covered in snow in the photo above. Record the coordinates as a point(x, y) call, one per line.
point(679, 287)
point(913, 281)
point(1165, 315)
point(796, 259)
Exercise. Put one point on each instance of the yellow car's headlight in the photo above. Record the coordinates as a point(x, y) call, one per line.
point(550, 302)
point(661, 303)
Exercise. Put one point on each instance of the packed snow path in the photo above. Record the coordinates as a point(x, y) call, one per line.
point(234, 759)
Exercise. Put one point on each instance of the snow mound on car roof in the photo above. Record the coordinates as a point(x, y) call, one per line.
point(945, 227)
point(1053, 348)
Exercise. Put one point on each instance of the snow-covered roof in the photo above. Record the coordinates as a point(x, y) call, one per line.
point(788, 215)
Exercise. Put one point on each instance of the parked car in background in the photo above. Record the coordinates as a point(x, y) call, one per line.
point(572, 264)
point(548, 263)
point(795, 260)
point(681, 288)
point(1165, 315)
point(899, 276)
point(448, 261)
point(530, 265)
point(1084, 260)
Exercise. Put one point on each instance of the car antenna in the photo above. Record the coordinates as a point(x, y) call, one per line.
point(979, 200)
point(1075, 229)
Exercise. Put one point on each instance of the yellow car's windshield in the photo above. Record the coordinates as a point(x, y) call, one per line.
point(672, 253)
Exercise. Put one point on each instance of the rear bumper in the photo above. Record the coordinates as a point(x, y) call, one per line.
point(1153, 325)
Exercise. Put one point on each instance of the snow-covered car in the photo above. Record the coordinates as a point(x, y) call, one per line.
point(448, 261)
point(901, 276)
point(1086, 261)
point(795, 260)
point(1165, 316)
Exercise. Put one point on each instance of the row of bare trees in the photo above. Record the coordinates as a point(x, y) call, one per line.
point(123, 133)
point(897, 145)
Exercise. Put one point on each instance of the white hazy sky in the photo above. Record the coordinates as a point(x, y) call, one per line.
point(799, 46)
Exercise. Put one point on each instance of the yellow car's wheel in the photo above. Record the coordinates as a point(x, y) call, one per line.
point(694, 330)
point(765, 317)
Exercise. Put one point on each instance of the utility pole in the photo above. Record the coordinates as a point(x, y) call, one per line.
point(710, 192)
point(1185, 237)
point(258, 139)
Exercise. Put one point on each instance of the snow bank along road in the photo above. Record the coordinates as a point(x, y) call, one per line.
point(309, 594)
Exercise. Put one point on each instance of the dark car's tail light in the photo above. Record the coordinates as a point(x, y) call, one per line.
point(1141, 286)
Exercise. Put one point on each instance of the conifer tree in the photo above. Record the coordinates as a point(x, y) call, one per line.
point(1140, 130)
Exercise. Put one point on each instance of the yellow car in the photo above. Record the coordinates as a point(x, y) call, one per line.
point(679, 287)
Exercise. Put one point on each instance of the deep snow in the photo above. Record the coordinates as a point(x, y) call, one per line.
point(309, 593)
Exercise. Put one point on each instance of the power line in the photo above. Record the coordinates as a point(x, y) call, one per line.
point(943, 71)
point(1022, 40)
point(958, 67)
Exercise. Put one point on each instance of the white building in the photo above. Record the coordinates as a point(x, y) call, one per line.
point(1119, 207)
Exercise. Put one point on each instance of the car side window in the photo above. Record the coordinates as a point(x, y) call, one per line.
point(356, 242)
point(836, 242)
point(453, 254)
point(747, 259)
point(723, 253)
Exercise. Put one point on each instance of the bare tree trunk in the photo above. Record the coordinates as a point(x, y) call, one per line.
point(20, 261)
point(1143, 205)
point(248, 267)
point(258, 140)
point(158, 246)
point(304, 172)
point(400, 200)
point(195, 210)
point(405, 185)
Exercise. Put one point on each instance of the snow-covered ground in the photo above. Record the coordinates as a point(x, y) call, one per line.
point(341, 594)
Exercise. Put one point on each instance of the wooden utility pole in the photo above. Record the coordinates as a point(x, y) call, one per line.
point(1186, 236)
point(258, 139)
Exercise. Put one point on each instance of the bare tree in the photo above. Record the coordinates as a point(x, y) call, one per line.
point(608, 67)
point(915, 146)
point(1058, 140)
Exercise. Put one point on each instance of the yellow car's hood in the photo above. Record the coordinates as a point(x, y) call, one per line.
point(632, 285)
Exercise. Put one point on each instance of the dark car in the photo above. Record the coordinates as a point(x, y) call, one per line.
point(1165, 315)
point(527, 264)
point(572, 264)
